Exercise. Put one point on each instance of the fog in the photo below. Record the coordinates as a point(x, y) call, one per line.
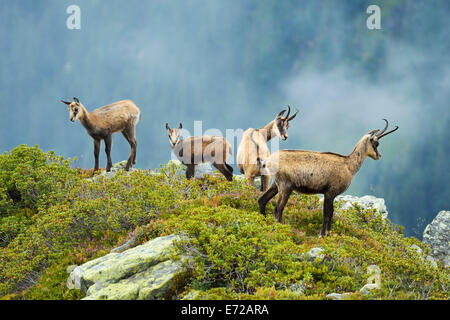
point(234, 65)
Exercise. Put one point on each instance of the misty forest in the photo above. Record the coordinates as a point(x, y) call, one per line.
point(236, 64)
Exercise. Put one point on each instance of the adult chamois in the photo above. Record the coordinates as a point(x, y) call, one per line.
point(312, 172)
point(195, 150)
point(253, 149)
point(100, 124)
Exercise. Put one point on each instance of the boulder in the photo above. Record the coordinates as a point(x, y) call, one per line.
point(143, 272)
point(366, 202)
point(437, 236)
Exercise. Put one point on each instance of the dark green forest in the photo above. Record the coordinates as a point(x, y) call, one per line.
point(234, 64)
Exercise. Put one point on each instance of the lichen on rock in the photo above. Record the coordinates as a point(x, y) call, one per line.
point(144, 272)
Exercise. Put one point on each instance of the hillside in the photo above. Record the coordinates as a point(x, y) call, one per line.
point(53, 216)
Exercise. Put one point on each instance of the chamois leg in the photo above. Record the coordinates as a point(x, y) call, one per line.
point(128, 133)
point(266, 197)
point(265, 180)
point(190, 171)
point(96, 153)
point(283, 197)
point(327, 215)
point(108, 144)
point(224, 170)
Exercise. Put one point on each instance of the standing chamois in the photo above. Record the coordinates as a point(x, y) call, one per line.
point(253, 149)
point(101, 123)
point(195, 150)
point(312, 172)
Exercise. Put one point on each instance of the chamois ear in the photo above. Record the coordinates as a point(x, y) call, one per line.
point(66, 102)
point(181, 126)
point(76, 100)
point(167, 126)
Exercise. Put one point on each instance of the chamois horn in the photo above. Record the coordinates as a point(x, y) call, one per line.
point(382, 133)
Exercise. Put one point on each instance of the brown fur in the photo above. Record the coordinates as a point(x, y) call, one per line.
point(102, 123)
point(195, 150)
point(311, 172)
point(253, 149)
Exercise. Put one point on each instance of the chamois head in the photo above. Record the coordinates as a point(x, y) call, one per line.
point(282, 124)
point(174, 134)
point(74, 108)
point(374, 137)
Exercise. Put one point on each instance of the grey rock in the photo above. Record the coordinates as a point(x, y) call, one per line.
point(365, 202)
point(143, 272)
point(337, 296)
point(315, 253)
point(437, 236)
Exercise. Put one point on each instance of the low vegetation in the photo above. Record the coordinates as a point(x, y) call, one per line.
point(53, 216)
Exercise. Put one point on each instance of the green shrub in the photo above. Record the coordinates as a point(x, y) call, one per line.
point(30, 178)
point(53, 216)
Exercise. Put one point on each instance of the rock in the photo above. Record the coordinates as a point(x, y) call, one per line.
point(366, 202)
point(338, 296)
point(437, 236)
point(143, 272)
point(315, 253)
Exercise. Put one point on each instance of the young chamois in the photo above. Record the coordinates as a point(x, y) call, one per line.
point(253, 149)
point(101, 123)
point(195, 150)
point(312, 172)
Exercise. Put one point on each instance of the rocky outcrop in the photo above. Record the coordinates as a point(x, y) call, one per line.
point(366, 202)
point(143, 272)
point(437, 236)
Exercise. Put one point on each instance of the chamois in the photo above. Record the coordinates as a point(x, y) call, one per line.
point(101, 123)
point(312, 172)
point(253, 149)
point(195, 150)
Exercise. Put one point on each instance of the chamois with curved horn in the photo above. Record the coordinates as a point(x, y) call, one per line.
point(100, 124)
point(253, 149)
point(192, 151)
point(312, 172)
